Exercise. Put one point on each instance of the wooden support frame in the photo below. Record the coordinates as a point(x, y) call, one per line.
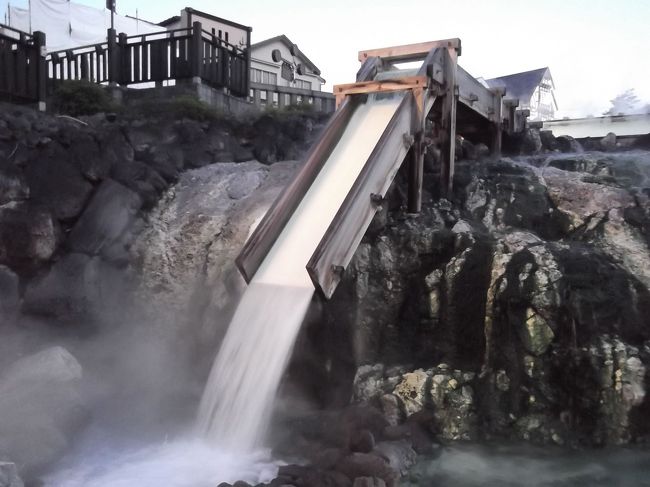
point(497, 125)
point(409, 52)
point(448, 124)
point(416, 83)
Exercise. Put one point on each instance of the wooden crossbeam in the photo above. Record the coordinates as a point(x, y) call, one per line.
point(418, 83)
point(409, 52)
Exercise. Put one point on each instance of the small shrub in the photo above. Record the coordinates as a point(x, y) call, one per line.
point(81, 98)
point(183, 106)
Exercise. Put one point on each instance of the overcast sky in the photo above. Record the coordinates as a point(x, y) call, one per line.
point(596, 49)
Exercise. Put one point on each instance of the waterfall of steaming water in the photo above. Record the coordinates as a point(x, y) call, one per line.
point(239, 394)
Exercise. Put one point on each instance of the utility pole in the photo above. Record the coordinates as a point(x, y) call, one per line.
point(110, 5)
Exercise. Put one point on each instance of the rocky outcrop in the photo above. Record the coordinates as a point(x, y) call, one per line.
point(530, 289)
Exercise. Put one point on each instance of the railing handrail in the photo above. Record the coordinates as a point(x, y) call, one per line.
point(77, 49)
point(22, 34)
point(162, 32)
point(209, 36)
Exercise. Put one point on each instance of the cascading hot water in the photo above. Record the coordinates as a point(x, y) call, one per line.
point(246, 374)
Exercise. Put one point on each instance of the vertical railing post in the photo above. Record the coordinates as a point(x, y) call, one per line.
point(196, 52)
point(113, 58)
point(247, 73)
point(124, 65)
point(41, 70)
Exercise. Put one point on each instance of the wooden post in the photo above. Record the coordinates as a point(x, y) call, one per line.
point(113, 58)
point(416, 171)
point(124, 64)
point(196, 53)
point(448, 125)
point(497, 124)
point(41, 70)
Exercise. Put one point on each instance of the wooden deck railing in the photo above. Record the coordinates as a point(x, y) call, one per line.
point(179, 54)
point(22, 66)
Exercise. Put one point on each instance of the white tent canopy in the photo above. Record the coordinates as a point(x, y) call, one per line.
point(67, 24)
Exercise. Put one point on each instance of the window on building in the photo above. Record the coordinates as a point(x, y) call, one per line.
point(265, 77)
point(263, 97)
point(305, 85)
point(251, 94)
point(273, 79)
point(276, 99)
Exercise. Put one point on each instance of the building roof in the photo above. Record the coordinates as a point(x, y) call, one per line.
point(170, 20)
point(520, 85)
point(285, 40)
point(206, 15)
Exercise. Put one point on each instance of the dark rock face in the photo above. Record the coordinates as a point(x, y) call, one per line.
point(29, 236)
point(106, 219)
point(9, 292)
point(566, 143)
point(519, 310)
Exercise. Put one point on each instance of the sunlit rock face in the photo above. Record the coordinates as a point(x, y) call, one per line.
point(531, 287)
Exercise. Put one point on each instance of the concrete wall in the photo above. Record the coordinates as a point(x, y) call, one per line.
point(621, 125)
point(216, 98)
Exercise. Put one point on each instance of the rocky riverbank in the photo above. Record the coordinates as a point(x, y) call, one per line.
point(514, 311)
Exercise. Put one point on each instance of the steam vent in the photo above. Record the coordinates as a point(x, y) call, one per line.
point(218, 270)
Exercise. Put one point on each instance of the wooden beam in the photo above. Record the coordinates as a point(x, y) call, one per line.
point(365, 87)
point(497, 125)
point(448, 125)
point(409, 52)
point(416, 174)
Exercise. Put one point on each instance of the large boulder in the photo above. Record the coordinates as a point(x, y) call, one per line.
point(9, 475)
point(186, 254)
point(41, 408)
point(106, 221)
point(78, 290)
point(13, 186)
point(57, 183)
point(9, 294)
point(29, 236)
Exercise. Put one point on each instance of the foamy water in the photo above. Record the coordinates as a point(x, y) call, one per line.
point(181, 463)
point(239, 395)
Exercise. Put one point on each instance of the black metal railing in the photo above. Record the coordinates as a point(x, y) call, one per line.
point(22, 66)
point(156, 57)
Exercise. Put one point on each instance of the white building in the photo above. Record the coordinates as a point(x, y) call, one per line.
point(266, 71)
point(233, 33)
point(534, 89)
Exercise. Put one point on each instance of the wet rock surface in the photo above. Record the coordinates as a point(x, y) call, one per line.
point(515, 310)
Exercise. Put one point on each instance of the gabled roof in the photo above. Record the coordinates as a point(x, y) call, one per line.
point(192, 11)
point(520, 85)
point(285, 40)
point(170, 20)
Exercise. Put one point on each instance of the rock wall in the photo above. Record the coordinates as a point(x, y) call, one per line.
point(517, 310)
point(117, 239)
